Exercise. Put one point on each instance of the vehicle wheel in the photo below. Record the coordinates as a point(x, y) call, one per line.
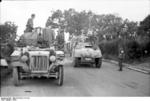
point(75, 62)
point(60, 75)
point(98, 62)
point(16, 76)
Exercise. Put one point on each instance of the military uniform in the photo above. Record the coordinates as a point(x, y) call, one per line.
point(120, 59)
point(29, 26)
point(39, 39)
point(60, 41)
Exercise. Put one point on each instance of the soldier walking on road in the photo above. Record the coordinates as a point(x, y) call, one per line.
point(120, 58)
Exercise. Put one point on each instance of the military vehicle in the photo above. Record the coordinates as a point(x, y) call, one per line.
point(36, 59)
point(84, 52)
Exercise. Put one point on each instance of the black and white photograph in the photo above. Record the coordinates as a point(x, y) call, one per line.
point(74, 48)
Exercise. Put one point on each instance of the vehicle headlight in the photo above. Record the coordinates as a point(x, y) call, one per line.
point(52, 58)
point(24, 58)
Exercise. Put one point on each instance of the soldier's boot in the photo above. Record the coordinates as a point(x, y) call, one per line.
point(120, 65)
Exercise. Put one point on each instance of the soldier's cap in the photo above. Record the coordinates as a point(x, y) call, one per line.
point(33, 15)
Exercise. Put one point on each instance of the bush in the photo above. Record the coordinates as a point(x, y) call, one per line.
point(144, 42)
point(133, 50)
point(109, 47)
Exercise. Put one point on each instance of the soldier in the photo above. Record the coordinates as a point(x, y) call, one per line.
point(29, 26)
point(60, 40)
point(120, 58)
point(39, 40)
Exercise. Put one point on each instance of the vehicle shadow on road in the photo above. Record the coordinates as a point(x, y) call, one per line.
point(88, 66)
point(38, 81)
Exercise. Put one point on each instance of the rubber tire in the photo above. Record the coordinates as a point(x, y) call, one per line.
point(61, 75)
point(75, 62)
point(16, 76)
point(99, 63)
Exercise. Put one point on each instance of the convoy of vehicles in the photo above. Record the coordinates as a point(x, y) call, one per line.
point(39, 56)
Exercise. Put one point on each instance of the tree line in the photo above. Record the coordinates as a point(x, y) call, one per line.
point(110, 29)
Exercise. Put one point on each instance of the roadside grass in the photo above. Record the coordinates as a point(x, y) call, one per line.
point(143, 62)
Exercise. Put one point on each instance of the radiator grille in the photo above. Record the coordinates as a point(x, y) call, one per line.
point(39, 63)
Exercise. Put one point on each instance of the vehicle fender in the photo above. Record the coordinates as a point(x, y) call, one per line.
point(3, 62)
point(19, 64)
point(57, 67)
point(98, 54)
point(60, 63)
point(77, 53)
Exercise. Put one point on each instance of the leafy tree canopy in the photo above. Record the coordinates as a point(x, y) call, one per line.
point(8, 32)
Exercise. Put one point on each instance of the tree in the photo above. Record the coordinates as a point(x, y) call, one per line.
point(56, 20)
point(129, 29)
point(75, 22)
point(144, 35)
point(7, 38)
point(8, 32)
point(144, 28)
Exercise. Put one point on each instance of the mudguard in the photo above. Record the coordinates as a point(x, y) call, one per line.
point(21, 65)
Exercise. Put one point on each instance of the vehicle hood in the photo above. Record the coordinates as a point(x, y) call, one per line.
point(88, 52)
point(17, 52)
point(38, 53)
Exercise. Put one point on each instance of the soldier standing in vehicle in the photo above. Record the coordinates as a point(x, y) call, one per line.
point(120, 58)
point(60, 40)
point(29, 26)
point(40, 40)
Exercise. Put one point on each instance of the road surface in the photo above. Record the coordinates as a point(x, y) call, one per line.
point(83, 81)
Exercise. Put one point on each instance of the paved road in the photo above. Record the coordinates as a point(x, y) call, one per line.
point(84, 81)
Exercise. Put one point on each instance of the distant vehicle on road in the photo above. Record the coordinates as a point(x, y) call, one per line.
point(86, 53)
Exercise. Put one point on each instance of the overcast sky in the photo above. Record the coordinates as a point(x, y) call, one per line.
point(20, 11)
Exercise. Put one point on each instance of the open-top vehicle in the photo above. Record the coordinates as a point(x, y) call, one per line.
point(34, 61)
